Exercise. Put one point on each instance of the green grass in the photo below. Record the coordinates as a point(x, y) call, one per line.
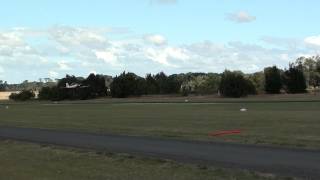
point(25, 161)
point(286, 123)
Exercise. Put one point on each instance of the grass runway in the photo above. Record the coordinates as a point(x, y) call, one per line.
point(277, 123)
point(27, 161)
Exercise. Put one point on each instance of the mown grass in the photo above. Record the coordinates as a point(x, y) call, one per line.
point(25, 161)
point(278, 123)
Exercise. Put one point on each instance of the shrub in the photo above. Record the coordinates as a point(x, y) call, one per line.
point(233, 84)
point(22, 96)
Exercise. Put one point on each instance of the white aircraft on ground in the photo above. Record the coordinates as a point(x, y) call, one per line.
point(75, 85)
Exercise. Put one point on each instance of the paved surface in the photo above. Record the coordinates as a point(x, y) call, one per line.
point(288, 162)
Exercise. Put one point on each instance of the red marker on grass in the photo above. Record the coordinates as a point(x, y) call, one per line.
point(223, 133)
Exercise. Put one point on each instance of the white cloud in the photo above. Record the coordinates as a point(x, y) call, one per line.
point(156, 39)
point(93, 72)
point(157, 56)
point(12, 43)
point(313, 41)
point(241, 17)
point(78, 37)
point(177, 53)
point(64, 66)
point(290, 43)
point(11, 39)
point(108, 57)
point(165, 55)
point(285, 57)
point(73, 50)
point(53, 74)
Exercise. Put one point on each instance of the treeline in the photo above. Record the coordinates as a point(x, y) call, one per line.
point(302, 74)
point(26, 85)
point(129, 84)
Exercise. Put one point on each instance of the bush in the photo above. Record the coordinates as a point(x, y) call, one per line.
point(22, 96)
point(233, 84)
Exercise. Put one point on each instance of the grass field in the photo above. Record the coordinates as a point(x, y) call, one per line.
point(34, 162)
point(266, 122)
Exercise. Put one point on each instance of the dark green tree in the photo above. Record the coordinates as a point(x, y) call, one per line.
point(152, 86)
point(294, 79)
point(162, 81)
point(3, 85)
point(167, 84)
point(273, 83)
point(127, 84)
point(95, 85)
point(173, 84)
point(50, 93)
point(233, 84)
point(70, 79)
point(311, 69)
point(258, 80)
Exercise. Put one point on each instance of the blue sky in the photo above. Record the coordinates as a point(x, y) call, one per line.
point(42, 38)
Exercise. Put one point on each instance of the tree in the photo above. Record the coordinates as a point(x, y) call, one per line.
point(162, 81)
point(22, 96)
point(96, 85)
point(48, 80)
point(233, 84)
point(76, 93)
point(294, 79)
point(273, 81)
point(50, 93)
point(311, 69)
point(152, 86)
point(201, 84)
point(250, 87)
point(314, 79)
point(92, 87)
point(211, 84)
point(127, 84)
point(70, 79)
point(173, 84)
point(3, 85)
point(258, 81)
point(167, 85)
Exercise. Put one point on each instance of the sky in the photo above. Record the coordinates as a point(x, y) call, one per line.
point(52, 38)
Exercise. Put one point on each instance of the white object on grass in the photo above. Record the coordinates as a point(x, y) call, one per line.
point(243, 109)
